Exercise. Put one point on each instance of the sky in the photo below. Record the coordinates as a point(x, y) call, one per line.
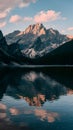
point(19, 14)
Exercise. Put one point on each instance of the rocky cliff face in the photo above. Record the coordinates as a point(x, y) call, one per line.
point(3, 43)
point(38, 50)
point(8, 54)
point(4, 58)
point(37, 29)
point(1, 35)
point(28, 40)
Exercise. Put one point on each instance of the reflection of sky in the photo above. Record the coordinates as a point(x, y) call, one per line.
point(45, 115)
point(19, 113)
point(8, 113)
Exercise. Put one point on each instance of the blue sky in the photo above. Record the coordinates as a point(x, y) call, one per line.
point(18, 14)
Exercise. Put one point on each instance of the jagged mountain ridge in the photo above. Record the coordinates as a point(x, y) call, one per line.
point(10, 54)
point(28, 40)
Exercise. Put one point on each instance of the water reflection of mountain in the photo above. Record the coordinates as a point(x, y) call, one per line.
point(34, 87)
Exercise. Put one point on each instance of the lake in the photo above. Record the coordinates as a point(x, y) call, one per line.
point(36, 99)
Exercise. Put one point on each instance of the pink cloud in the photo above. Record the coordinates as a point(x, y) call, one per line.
point(14, 3)
point(25, 3)
point(41, 17)
point(46, 16)
point(70, 29)
point(11, 4)
point(27, 19)
point(15, 18)
point(4, 13)
point(2, 24)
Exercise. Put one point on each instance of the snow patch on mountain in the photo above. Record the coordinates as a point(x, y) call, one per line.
point(29, 52)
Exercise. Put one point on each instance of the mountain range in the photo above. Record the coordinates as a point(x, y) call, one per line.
point(36, 45)
point(36, 40)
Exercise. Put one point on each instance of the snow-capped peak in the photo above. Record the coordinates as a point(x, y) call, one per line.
point(52, 31)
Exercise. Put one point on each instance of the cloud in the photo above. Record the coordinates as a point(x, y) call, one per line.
point(7, 5)
point(15, 19)
point(46, 16)
point(15, 3)
point(70, 29)
point(4, 13)
point(2, 24)
point(25, 3)
point(27, 19)
point(41, 17)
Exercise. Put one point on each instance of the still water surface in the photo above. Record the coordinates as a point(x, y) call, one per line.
point(36, 100)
